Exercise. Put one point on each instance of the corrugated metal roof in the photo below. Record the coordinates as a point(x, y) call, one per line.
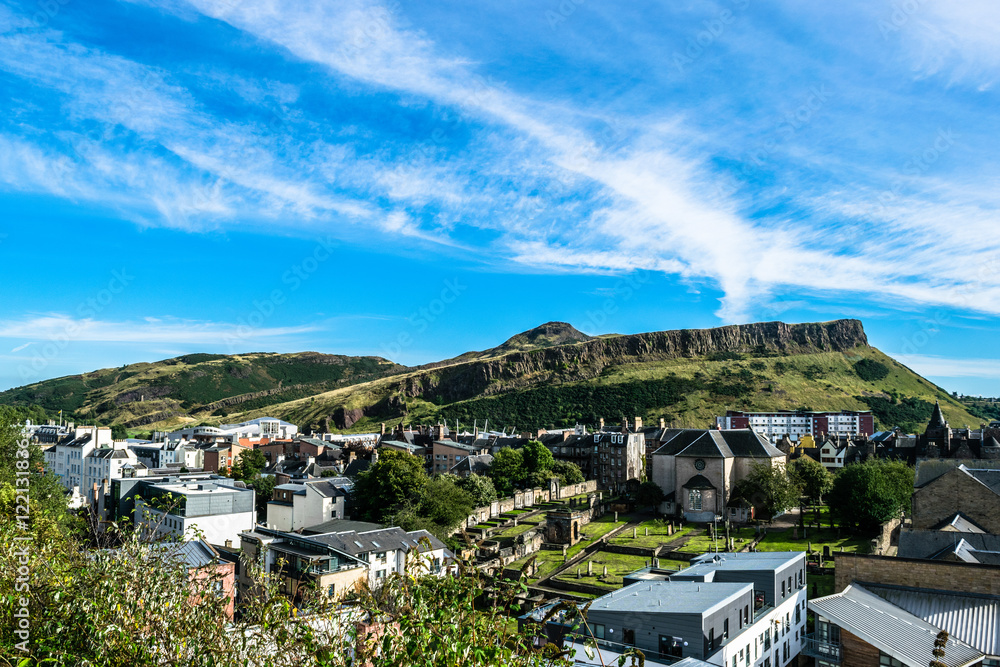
point(891, 629)
point(974, 619)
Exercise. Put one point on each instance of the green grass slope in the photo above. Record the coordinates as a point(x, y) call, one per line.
point(195, 387)
point(686, 392)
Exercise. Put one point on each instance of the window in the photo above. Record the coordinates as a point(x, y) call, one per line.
point(628, 636)
point(331, 589)
point(725, 629)
point(735, 664)
point(711, 640)
point(747, 659)
point(694, 499)
point(746, 614)
point(671, 647)
point(598, 630)
point(888, 661)
point(782, 589)
point(798, 615)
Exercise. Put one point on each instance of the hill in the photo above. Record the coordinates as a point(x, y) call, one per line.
point(196, 386)
point(687, 377)
point(552, 375)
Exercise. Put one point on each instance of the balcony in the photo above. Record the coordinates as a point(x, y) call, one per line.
point(821, 648)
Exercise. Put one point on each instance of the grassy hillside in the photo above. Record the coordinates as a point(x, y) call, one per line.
point(550, 376)
point(687, 392)
point(196, 386)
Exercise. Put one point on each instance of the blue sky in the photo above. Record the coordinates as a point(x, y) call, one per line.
point(417, 179)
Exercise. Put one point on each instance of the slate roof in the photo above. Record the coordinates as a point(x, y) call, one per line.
point(937, 544)
point(713, 443)
point(477, 463)
point(973, 619)
point(937, 419)
point(193, 553)
point(386, 539)
point(959, 523)
point(341, 526)
point(327, 488)
point(889, 628)
point(930, 469)
point(109, 454)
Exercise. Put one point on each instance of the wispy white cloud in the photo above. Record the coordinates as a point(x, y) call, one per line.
point(930, 365)
point(66, 328)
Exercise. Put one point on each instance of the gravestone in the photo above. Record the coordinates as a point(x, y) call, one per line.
point(590, 568)
point(826, 552)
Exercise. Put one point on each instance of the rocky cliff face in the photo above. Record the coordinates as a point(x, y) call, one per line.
point(588, 359)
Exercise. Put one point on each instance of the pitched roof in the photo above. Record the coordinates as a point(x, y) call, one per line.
point(386, 539)
point(891, 629)
point(714, 443)
point(937, 544)
point(328, 488)
point(341, 526)
point(706, 446)
point(973, 619)
point(937, 419)
point(477, 463)
point(959, 523)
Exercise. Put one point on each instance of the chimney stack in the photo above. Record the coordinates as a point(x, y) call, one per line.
point(638, 423)
point(663, 423)
point(600, 424)
point(383, 429)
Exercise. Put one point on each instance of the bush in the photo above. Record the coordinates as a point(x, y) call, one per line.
point(870, 370)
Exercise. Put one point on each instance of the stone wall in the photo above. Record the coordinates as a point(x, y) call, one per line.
point(887, 537)
point(918, 573)
point(524, 499)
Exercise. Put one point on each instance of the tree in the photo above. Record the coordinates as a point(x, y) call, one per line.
point(650, 494)
point(940, 642)
point(568, 472)
point(537, 457)
point(507, 471)
point(252, 462)
point(388, 485)
point(480, 489)
point(441, 506)
point(47, 496)
point(263, 490)
point(119, 432)
point(866, 495)
point(811, 476)
point(767, 488)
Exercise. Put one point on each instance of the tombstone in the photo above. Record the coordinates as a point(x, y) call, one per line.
point(605, 571)
point(515, 522)
point(670, 529)
point(656, 563)
point(647, 531)
point(841, 549)
point(809, 549)
point(616, 517)
point(826, 552)
point(577, 572)
point(633, 533)
point(795, 533)
point(590, 568)
point(815, 590)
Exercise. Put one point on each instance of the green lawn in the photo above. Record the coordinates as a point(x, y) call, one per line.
point(514, 531)
point(549, 561)
point(657, 536)
point(617, 564)
point(702, 542)
point(817, 539)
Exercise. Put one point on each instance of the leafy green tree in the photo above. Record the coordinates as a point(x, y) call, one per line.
point(441, 506)
point(537, 457)
point(507, 471)
point(567, 472)
point(767, 488)
point(263, 487)
point(480, 488)
point(650, 494)
point(253, 461)
point(866, 495)
point(47, 496)
point(388, 485)
point(811, 476)
point(119, 432)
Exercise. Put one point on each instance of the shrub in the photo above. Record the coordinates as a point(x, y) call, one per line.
point(870, 370)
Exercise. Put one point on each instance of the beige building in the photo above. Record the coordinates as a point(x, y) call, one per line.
point(697, 468)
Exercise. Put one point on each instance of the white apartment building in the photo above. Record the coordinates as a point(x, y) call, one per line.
point(294, 506)
point(777, 424)
point(215, 510)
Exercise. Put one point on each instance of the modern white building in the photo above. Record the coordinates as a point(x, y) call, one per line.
point(254, 429)
point(739, 609)
point(777, 424)
point(210, 507)
point(300, 505)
